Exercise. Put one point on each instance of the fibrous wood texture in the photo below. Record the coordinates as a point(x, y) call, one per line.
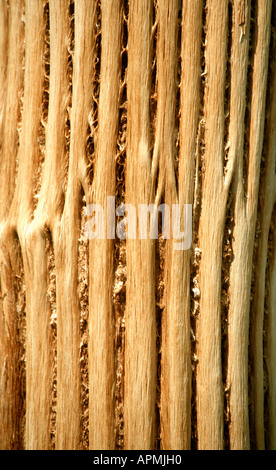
point(123, 342)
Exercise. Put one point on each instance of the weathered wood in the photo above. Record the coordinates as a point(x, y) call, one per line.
point(11, 77)
point(68, 308)
point(245, 204)
point(270, 298)
point(101, 266)
point(239, 68)
point(265, 209)
point(176, 350)
point(3, 58)
point(140, 347)
point(214, 198)
point(32, 243)
point(270, 349)
point(59, 138)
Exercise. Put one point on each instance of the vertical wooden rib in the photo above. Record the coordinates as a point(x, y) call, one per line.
point(239, 67)
point(3, 59)
point(190, 96)
point(214, 196)
point(243, 238)
point(176, 355)
point(38, 358)
point(6, 365)
point(238, 83)
point(11, 100)
point(68, 308)
point(270, 350)
point(101, 315)
point(267, 200)
point(11, 76)
point(9, 356)
point(140, 345)
point(51, 196)
point(270, 344)
point(50, 204)
point(38, 393)
point(172, 377)
point(189, 112)
point(178, 326)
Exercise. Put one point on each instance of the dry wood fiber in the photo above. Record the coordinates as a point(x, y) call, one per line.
point(269, 244)
point(3, 56)
point(140, 350)
point(266, 204)
point(270, 348)
point(132, 344)
point(238, 83)
point(176, 351)
point(32, 243)
point(51, 206)
point(68, 320)
point(164, 150)
point(11, 77)
point(101, 313)
point(20, 211)
point(214, 188)
point(245, 204)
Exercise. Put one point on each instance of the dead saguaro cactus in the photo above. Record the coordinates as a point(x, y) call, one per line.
point(116, 333)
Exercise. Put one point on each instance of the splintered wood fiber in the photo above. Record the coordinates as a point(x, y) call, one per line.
point(122, 343)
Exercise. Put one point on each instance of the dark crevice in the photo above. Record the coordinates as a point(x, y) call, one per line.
point(51, 294)
point(120, 268)
point(20, 303)
point(227, 255)
point(67, 127)
point(228, 86)
point(83, 294)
